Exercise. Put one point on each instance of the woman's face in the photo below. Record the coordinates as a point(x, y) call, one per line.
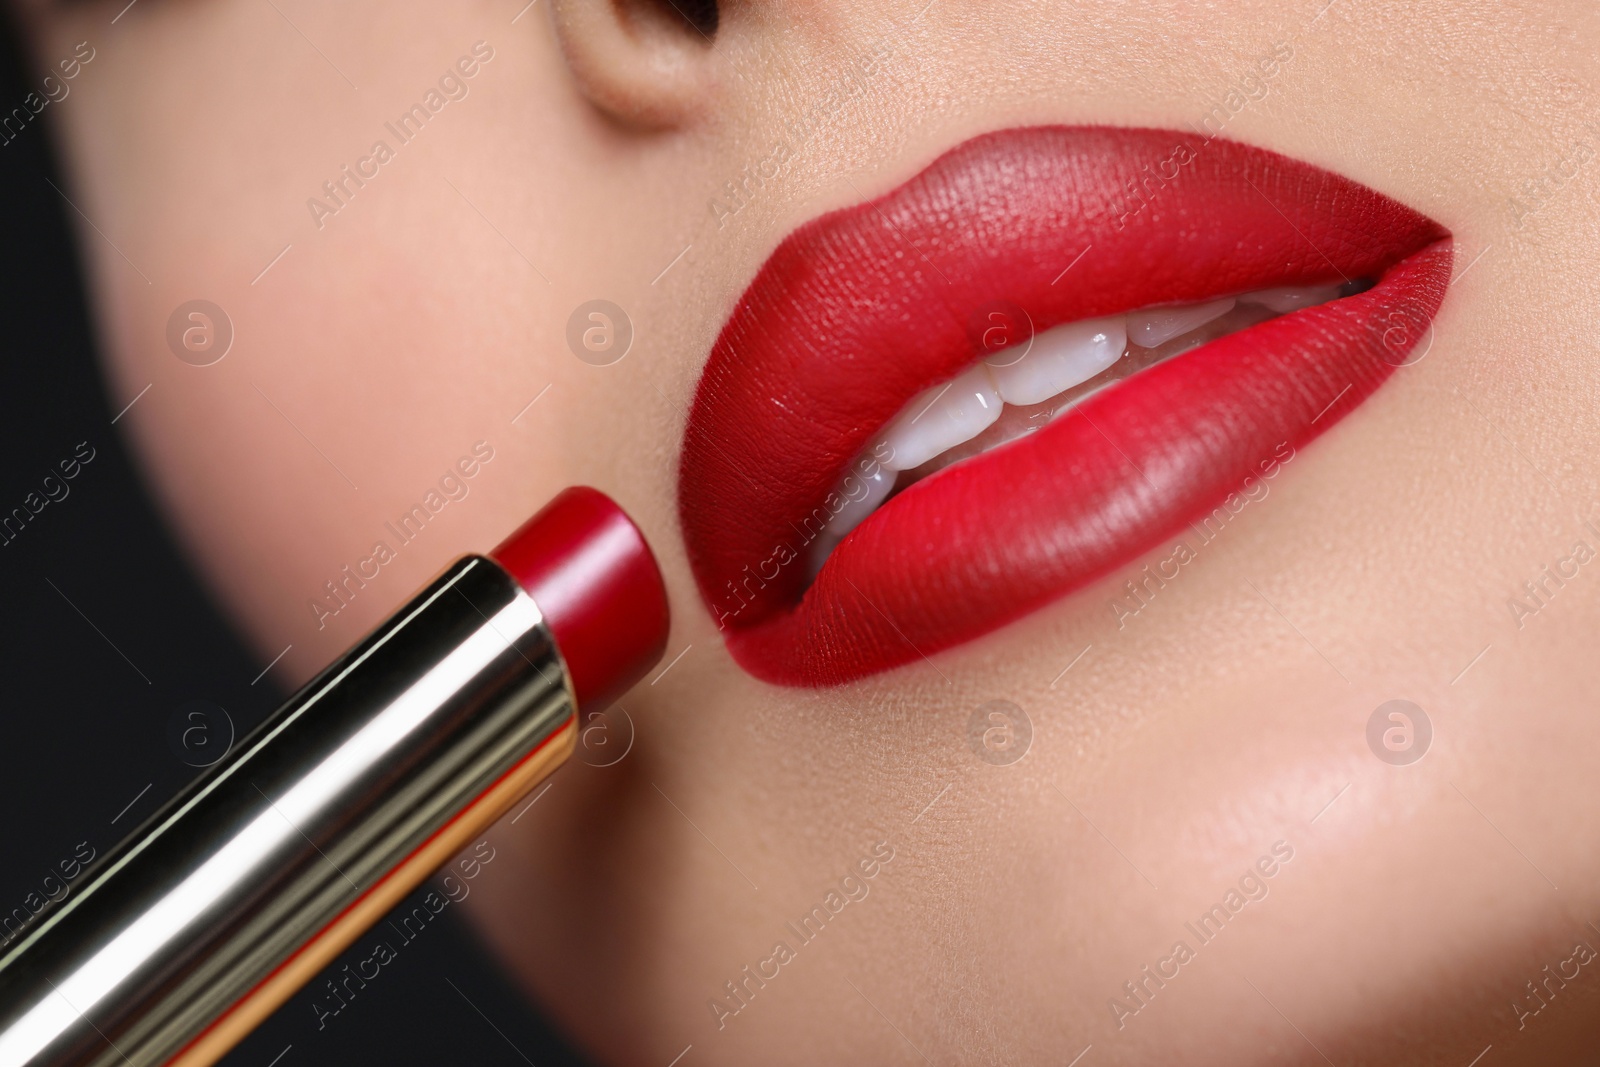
point(1207, 746)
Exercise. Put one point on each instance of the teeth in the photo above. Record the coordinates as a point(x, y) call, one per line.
point(1292, 298)
point(1151, 327)
point(879, 485)
point(942, 418)
point(878, 488)
point(1059, 359)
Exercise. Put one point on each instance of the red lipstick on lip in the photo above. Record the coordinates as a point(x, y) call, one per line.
point(378, 772)
point(857, 312)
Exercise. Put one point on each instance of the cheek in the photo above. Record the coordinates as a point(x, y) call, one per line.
point(384, 367)
point(381, 413)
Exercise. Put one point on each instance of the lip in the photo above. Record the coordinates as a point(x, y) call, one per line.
point(858, 311)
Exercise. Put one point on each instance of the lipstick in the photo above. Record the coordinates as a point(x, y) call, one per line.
point(244, 886)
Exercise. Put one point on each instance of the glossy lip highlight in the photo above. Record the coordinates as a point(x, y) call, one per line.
point(860, 310)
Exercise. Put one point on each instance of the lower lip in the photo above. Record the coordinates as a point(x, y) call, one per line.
point(1000, 535)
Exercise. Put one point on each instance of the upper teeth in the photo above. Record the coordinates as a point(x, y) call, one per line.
point(1057, 360)
point(871, 485)
point(964, 407)
point(942, 418)
point(1292, 298)
point(1155, 326)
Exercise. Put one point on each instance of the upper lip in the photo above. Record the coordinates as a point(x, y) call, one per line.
point(858, 311)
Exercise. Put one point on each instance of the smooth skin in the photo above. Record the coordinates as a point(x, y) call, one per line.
point(1229, 714)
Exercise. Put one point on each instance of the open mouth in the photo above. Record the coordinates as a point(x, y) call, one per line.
point(1030, 380)
point(935, 412)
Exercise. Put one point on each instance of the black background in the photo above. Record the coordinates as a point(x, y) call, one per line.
point(107, 634)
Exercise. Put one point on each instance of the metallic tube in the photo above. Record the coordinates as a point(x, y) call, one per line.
point(250, 881)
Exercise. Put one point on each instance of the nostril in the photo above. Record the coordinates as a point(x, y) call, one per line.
point(700, 15)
